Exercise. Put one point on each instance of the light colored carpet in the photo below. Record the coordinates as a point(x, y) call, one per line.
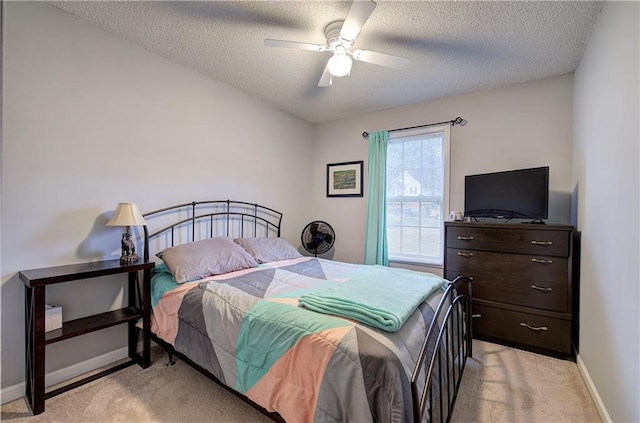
point(500, 384)
point(176, 394)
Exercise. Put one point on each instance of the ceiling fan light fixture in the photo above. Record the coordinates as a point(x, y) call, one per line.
point(340, 36)
point(339, 65)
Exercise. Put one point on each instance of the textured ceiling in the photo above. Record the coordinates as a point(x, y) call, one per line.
point(454, 47)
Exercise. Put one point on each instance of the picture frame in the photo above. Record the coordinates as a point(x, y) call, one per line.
point(344, 179)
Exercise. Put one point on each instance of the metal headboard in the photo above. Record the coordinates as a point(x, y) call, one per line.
point(207, 219)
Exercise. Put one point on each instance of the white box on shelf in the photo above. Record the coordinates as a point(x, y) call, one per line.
point(52, 317)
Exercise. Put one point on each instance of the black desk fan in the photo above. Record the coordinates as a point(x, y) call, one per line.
point(318, 237)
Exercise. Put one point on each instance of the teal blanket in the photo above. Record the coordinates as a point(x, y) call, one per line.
point(382, 297)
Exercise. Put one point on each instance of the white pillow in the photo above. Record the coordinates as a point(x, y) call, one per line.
point(200, 259)
point(268, 249)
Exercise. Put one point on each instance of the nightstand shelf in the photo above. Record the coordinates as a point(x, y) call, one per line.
point(89, 324)
point(36, 281)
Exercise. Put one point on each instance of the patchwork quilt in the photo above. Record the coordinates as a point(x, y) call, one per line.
point(248, 329)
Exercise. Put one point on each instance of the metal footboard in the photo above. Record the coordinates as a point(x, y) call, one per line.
point(443, 355)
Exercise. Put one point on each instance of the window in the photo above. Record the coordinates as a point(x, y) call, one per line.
point(417, 195)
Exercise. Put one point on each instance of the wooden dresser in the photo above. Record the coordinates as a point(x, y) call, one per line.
point(524, 287)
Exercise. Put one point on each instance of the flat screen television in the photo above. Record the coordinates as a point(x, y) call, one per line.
point(513, 194)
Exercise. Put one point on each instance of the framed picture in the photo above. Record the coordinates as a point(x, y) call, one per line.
point(344, 179)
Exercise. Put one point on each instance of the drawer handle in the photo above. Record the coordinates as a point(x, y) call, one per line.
point(545, 243)
point(465, 238)
point(541, 261)
point(537, 329)
point(476, 315)
point(541, 288)
point(465, 255)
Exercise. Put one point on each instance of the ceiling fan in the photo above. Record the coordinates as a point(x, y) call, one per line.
point(340, 38)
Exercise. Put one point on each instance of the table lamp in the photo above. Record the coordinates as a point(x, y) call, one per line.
point(127, 214)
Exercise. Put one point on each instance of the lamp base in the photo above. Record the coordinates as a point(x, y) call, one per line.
point(129, 259)
point(129, 255)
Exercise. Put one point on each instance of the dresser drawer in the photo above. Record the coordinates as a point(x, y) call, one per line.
point(515, 290)
point(536, 268)
point(523, 328)
point(523, 241)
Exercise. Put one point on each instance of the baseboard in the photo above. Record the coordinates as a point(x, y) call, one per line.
point(602, 410)
point(16, 391)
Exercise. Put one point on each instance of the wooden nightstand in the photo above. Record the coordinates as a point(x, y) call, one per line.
point(36, 281)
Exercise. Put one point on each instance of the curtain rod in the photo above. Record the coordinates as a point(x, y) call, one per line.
point(457, 121)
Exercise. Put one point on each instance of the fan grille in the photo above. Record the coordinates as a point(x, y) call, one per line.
point(318, 237)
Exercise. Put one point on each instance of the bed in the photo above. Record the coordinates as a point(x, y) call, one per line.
point(303, 338)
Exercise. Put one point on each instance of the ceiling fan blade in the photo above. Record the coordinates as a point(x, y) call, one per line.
point(294, 44)
point(381, 59)
point(325, 81)
point(358, 15)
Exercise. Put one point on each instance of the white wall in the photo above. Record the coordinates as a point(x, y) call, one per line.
point(605, 169)
point(91, 120)
point(519, 126)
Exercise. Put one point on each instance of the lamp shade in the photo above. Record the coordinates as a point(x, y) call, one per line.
point(126, 214)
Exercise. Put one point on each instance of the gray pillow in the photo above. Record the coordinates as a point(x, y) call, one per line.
point(268, 249)
point(200, 259)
